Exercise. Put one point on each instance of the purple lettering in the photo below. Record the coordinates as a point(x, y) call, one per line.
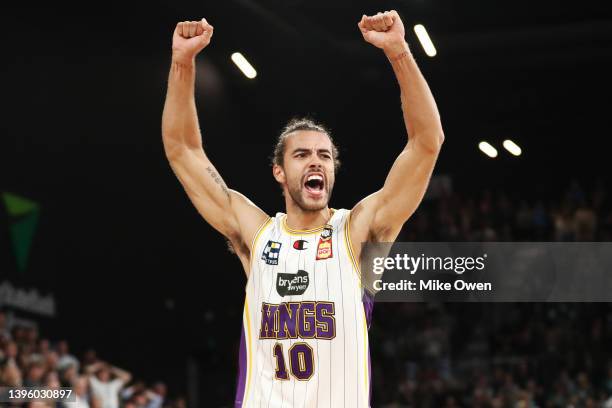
point(287, 318)
point(326, 323)
point(268, 321)
point(306, 321)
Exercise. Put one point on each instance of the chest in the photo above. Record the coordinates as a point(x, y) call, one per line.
point(287, 251)
point(294, 267)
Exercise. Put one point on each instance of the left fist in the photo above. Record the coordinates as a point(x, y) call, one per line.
point(384, 30)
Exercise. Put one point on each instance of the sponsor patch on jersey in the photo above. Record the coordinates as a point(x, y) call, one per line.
point(270, 252)
point(300, 245)
point(324, 249)
point(327, 232)
point(288, 284)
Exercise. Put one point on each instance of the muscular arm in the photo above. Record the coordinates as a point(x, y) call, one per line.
point(228, 211)
point(380, 216)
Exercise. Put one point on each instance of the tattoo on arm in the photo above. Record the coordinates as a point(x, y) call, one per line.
point(219, 181)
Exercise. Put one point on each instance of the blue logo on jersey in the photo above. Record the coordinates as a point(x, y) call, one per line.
point(270, 252)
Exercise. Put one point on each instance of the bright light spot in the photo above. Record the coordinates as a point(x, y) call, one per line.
point(512, 147)
point(487, 149)
point(244, 65)
point(426, 42)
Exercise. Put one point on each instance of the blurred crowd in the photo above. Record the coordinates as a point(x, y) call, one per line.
point(536, 355)
point(28, 360)
point(576, 215)
point(507, 355)
point(532, 355)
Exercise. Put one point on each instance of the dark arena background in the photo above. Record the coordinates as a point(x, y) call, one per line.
point(101, 248)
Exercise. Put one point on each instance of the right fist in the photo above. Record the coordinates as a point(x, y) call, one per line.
point(190, 37)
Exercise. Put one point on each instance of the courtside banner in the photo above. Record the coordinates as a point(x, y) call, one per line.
point(488, 271)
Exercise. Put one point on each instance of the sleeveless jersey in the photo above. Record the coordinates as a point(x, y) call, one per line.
point(305, 321)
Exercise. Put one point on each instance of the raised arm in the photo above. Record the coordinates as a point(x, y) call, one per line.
point(123, 375)
point(380, 216)
point(92, 368)
point(228, 211)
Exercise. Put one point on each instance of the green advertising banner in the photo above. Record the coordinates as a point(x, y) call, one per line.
point(19, 292)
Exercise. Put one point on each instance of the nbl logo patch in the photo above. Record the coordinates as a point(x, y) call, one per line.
point(271, 252)
point(327, 232)
point(292, 283)
point(324, 249)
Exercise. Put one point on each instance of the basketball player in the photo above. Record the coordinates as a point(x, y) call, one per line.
point(306, 315)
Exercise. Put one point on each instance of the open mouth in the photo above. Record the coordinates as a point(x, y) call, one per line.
point(314, 184)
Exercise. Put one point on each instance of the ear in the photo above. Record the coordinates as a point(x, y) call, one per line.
point(279, 174)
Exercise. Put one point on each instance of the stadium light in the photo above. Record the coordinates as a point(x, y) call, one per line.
point(487, 149)
point(426, 42)
point(244, 65)
point(512, 147)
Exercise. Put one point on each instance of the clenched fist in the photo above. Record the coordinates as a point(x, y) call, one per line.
point(385, 31)
point(190, 37)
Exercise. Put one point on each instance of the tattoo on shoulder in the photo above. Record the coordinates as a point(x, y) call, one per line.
point(218, 180)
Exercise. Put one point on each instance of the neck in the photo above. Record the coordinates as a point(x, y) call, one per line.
point(300, 219)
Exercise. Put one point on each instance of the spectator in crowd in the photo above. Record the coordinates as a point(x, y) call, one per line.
point(5, 330)
point(28, 361)
point(158, 393)
point(136, 388)
point(34, 374)
point(138, 394)
point(65, 358)
point(68, 375)
point(89, 357)
point(104, 386)
point(41, 404)
point(81, 390)
point(10, 375)
point(9, 353)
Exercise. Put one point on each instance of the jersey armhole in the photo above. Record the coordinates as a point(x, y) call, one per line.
point(260, 230)
point(349, 246)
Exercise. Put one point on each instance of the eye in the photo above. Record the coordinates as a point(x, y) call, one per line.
point(300, 155)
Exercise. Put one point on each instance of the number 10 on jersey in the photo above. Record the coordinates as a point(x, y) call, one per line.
point(301, 361)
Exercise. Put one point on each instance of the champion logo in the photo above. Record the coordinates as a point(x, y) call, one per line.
point(300, 245)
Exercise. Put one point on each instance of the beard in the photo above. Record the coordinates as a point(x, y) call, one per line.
point(308, 204)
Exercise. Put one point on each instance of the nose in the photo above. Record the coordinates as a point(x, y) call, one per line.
point(315, 162)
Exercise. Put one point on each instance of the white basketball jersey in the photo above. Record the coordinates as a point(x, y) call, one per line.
point(305, 323)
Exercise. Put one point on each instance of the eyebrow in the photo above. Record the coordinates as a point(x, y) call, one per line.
point(305, 150)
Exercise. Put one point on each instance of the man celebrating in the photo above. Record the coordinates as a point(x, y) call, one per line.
point(306, 315)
